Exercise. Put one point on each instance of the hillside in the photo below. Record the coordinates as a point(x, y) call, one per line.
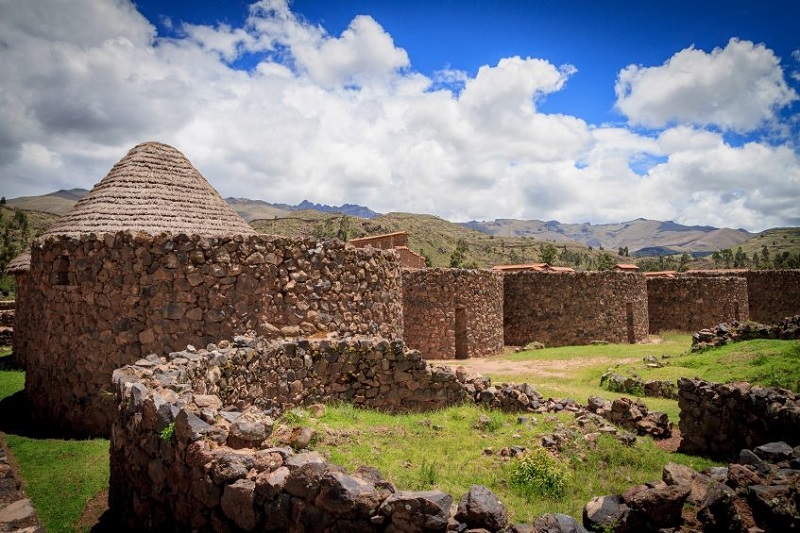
point(434, 238)
point(57, 203)
point(18, 229)
point(649, 236)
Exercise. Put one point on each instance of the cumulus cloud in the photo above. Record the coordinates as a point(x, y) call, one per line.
point(345, 118)
point(739, 87)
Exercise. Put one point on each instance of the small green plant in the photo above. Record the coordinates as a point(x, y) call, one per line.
point(538, 473)
point(294, 416)
point(428, 474)
point(168, 433)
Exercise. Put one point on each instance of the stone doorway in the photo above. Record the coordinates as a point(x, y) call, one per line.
point(461, 333)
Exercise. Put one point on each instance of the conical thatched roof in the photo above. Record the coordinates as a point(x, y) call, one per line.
point(20, 264)
point(153, 189)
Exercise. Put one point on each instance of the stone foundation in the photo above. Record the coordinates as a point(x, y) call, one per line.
point(453, 313)
point(96, 303)
point(562, 309)
point(718, 420)
point(689, 303)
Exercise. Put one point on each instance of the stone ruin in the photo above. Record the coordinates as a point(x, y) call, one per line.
point(688, 303)
point(187, 453)
point(569, 308)
point(718, 420)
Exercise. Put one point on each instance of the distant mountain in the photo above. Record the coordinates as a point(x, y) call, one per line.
point(258, 209)
point(58, 202)
point(640, 236)
point(352, 210)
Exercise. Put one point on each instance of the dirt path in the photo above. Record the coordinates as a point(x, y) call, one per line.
point(559, 368)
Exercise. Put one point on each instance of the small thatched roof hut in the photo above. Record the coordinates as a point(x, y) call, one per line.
point(19, 264)
point(153, 189)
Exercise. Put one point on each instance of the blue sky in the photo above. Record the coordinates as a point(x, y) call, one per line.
point(575, 111)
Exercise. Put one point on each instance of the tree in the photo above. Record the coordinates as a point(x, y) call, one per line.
point(685, 258)
point(717, 258)
point(765, 255)
point(458, 256)
point(740, 259)
point(548, 253)
point(727, 257)
point(344, 228)
point(3, 200)
point(605, 261)
point(623, 251)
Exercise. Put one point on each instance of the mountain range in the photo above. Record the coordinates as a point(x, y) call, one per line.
point(639, 237)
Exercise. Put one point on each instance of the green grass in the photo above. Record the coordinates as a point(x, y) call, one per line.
point(444, 450)
point(60, 476)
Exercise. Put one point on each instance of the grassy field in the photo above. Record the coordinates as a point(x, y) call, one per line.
point(59, 475)
point(452, 449)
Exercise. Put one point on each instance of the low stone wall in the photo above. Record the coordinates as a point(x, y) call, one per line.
point(99, 302)
point(718, 420)
point(453, 313)
point(562, 309)
point(773, 294)
point(785, 329)
point(689, 303)
point(209, 472)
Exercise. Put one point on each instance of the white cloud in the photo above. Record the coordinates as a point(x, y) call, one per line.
point(739, 87)
point(345, 118)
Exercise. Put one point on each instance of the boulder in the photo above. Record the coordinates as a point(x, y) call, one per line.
point(418, 511)
point(603, 513)
point(480, 508)
point(557, 523)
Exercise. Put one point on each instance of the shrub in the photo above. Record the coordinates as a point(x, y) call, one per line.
point(538, 473)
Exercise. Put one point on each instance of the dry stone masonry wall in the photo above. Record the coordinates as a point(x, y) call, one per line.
point(99, 302)
point(718, 420)
point(773, 294)
point(453, 313)
point(690, 303)
point(208, 470)
point(562, 309)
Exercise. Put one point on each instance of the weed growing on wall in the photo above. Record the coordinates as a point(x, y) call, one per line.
point(168, 433)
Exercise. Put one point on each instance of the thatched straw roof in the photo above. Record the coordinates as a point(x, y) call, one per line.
point(153, 189)
point(20, 264)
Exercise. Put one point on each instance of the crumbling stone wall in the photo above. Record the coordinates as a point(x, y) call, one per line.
point(453, 313)
point(773, 294)
point(718, 420)
point(213, 474)
point(99, 302)
point(572, 308)
point(689, 303)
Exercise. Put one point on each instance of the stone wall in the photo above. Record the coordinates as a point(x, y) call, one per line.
point(24, 326)
point(213, 473)
point(453, 313)
point(718, 420)
point(773, 294)
point(561, 309)
point(99, 302)
point(690, 303)
point(7, 319)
